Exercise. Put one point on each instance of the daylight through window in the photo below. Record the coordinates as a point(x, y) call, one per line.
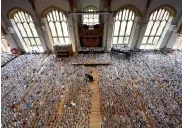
point(58, 26)
point(155, 28)
point(123, 24)
point(28, 32)
point(90, 19)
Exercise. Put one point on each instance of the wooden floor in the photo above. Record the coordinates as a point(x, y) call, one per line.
point(95, 118)
point(142, 107)
point(60, 106)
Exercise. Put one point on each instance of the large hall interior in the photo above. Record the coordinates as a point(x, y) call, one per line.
point(91, 64)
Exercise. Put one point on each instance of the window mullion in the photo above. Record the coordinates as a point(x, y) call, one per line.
point(21, 34)
point(49, 24)
point(54, 22)
point(158, 27)
point(50, 28)
point(19, 28)
point(67, 30)
point(62, 28)
point(22, 22)
point(31, 32)
point(151, 28)
point(119, 27)
point(56, 31)
point(131, 29)
point(113, 30)
point(21, 19)
point(89, 18)
point(150, 32)
point(93, 18)
point(25, 32)
point(162, 31)
point(23, 25)
point(165, 25)
point(33, 36)
point(60, 18)
point(126, 27)
point(22, 37)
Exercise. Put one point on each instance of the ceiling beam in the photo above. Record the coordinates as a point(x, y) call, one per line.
point(32, 2)
point(72, 4)
point(107, 4)
point(147, 7)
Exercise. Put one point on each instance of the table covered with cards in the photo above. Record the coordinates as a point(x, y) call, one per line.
point(145, 90)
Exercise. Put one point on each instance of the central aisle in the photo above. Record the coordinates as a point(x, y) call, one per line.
point(95, 118)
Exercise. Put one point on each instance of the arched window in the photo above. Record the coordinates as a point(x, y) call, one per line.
point(58, 26)
point(26, 28)
point(155, 28)
point(90, 19)
point(4, 44)
point(123, 25)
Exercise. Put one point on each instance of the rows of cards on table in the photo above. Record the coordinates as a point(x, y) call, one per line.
point(5, 58)
point(59, 95)
point(19, 72)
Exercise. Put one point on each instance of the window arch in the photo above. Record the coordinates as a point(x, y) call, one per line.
point(123, 25)
point(58, 25)
point(156, 26)
point(26, 27)
point(90, 19)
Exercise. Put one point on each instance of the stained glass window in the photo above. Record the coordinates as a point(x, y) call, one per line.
point(4, 45)
point(155, 28)
point(123, 25)
point(90, 19)
point(178, 44)
point(58, 26)
point(27, 31)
